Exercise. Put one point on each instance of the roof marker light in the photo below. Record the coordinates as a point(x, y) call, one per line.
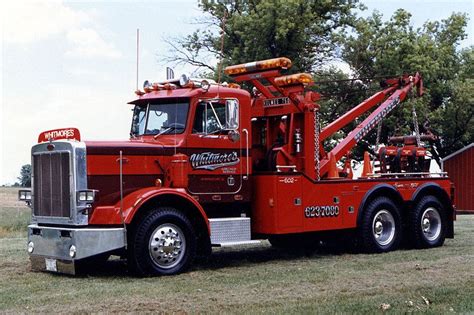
point(169, 86)
point(157, 86)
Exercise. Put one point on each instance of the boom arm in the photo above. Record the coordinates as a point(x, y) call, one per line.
point(370, 122)
point(285, 96)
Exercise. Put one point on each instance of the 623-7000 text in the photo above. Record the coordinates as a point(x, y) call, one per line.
point(321, 211)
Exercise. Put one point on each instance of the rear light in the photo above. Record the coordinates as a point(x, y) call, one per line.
point(276, 63)
point(299, 78)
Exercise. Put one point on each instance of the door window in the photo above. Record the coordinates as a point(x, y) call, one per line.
point(214, 117)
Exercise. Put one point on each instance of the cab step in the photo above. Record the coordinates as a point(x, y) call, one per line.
point(231, 231)
point(243, 243)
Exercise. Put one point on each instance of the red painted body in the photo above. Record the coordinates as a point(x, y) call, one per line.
point(266, 169)
point(276, 213)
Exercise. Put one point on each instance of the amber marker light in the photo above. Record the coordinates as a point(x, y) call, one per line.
point(156, 86)
point(169, 86)
point(158, 183)
point(299, 78)
point(233, 86)
point(275, 63)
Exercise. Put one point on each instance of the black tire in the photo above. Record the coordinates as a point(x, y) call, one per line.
point(427, 223)
point(162, 243)
point(380, 229)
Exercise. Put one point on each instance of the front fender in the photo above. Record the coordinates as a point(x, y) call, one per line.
point(132, 202)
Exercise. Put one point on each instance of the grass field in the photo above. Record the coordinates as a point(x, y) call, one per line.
point(257, 279)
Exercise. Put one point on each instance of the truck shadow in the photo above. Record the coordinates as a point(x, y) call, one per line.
point(227, 258)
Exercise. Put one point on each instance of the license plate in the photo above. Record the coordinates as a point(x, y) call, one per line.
point(51, 264)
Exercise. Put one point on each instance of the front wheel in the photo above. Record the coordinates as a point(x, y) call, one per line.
point(427, 226)
point(381, 226)
point(164, 243)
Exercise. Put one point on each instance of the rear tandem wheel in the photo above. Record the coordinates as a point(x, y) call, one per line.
point(380, 229)
point(427, 223)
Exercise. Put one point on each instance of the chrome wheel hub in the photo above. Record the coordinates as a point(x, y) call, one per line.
point(378, 227)
point(383, 227)
point(426, 225)
point(167, 245)
point(431, 224)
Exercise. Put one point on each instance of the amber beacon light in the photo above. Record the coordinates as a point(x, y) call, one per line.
point(299, 78)
point(269, 64)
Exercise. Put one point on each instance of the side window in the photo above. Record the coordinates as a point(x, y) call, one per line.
point(138, 120)
point(210, 118)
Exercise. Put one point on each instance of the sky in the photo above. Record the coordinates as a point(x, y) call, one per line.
point(73, 64)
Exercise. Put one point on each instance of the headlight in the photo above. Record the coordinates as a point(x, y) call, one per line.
point(24, 195)
point(31, 247)
point(87, 196)
point(72, 251)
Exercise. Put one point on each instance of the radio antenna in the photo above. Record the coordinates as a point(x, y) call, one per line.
point(219, 67)
point(138, 45)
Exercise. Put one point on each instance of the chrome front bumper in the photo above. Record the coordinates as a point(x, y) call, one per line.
point(52, 245)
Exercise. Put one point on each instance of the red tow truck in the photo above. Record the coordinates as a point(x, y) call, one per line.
point(212, 164)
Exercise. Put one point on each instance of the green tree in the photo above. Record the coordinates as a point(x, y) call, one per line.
point(25, 176)
point(312, 33)
point(302, 30)
point(394, 47)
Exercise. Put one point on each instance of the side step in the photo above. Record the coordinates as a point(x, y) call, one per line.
point(231, 232)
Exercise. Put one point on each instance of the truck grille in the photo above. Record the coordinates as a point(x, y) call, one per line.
point(51, 184)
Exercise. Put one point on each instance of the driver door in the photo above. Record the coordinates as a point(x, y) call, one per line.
point(217, 151)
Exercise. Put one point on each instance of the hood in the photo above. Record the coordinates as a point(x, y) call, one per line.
point(162, 146)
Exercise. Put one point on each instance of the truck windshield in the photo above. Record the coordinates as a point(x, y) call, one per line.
point(160, 117)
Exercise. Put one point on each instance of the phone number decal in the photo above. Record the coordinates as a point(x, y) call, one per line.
point(321, 211)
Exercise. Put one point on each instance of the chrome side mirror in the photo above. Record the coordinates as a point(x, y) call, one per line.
point(232, 114)
point(234, 135)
